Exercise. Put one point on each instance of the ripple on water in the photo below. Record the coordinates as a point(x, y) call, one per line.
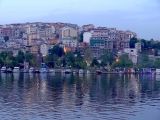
point(46, 97)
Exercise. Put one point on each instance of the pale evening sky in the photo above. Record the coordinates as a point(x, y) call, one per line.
point(140, 16)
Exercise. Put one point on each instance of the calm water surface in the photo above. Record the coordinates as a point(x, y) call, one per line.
point(87, 97)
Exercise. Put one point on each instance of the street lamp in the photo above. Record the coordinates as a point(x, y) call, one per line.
point(117, 59)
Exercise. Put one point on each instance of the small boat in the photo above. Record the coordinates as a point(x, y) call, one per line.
point(3, 69)
point(51, 71)
point(36, 71)
point(75, 72)
point(31, 70)
point(25, 70)
point(68, 71)
point(88, 72)
point(43, 68)
point(63, 71)
point(157, 72)
point(81, 71)
point(98, 72)
point(9, 70)
point(16, 70)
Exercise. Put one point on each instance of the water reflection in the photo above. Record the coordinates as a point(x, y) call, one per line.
point(90, 96)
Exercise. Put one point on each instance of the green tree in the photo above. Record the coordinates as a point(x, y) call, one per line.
point(6, 38)
point(94, 63)
point(20, 57)
point(31, 58)
point(70, 58)
point(88, 55)
point(156, 45)
point(156, 52)
point(145, 62)
point(107, 58)
point(157, 63)
point(132, 42)
point(123, 61)
point(51, 60)
point(57, 51)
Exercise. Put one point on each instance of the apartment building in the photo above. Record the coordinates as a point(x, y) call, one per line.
point(7, 32)
point(138, 46)
point(103, 33)
point(68, 42)
point(1, 32)
point(68, 32)
point(132, 53)
point(44, 49)
point(97, 46)
point(82, 46)
point(87, 36)
point(88, 27)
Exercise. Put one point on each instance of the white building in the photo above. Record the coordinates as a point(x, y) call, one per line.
point(1, 33)
point(87, 36)
point(44, 49)
point(67, 42)
point(12, 44)
point(138, 46)
point(53, 29)
point(132, 53)
point(69, 32)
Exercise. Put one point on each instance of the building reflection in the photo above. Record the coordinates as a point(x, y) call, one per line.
point(72, 91)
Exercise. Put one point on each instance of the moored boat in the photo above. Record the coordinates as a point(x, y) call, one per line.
point(81, 71)
point(16, 70)
point(88, 72)
point(31, 70)
point(36, 71)
point(43, 68)
point(157, 72)
point(68, 71)
point(98, 72)
point(51, 71)
point(75, 72)
point(25, 70)
point(4, 69)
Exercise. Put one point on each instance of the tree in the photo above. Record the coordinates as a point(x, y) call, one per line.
point(88, 55)
point(156, 52)
point(6, 38)
point(157, 63)
point(123, 61)
point(69, 58)
point(94, 63)
point(132, 42)
point(107, 57)
point(20, 57)
point(57, 51)
point(51, 60)
point(31, 58)
point(145, 62)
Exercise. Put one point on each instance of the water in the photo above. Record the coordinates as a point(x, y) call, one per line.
point(87, 97)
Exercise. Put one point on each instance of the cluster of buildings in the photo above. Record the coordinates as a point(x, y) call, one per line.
point(39, 37)
point(101, 38)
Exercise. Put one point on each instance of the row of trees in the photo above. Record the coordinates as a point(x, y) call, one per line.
point(7, 58)
point(57, 57)
point(145, 43)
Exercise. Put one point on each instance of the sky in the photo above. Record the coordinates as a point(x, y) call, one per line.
point(140, 16)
